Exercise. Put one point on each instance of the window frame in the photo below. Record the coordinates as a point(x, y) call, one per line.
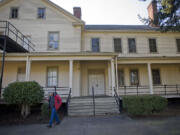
point(92, 44)
point(138, 77)
point(53, 49)
point(178, 49)
point(47, 77)
point(150, 45)
point(44, 13)
point(129, 45)
point(10, 14)
point(121, 70)
point(120, 45)
point(159, 77)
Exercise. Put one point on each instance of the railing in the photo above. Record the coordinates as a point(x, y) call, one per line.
point(62, 91)
point(8, 29)
point(68, 100)
point(144, 90)
point(93, 96)
point(117, 99)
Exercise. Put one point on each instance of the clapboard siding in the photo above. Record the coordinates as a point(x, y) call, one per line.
point(28, 24)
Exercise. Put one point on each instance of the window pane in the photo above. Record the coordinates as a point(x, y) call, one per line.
point(134, 77)
point(156, 77)
point(117, 45)
point(132, 45)
point(152, 45)
point(21, 73)
point(53, 40)
point(178, 44)
point(120, 77)
point(95, 44)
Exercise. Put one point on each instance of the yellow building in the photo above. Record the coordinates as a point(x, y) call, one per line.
point(59, 49)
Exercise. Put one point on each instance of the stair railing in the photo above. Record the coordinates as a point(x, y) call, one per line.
point(68, 100)
point(93, 96)
point(118, 100)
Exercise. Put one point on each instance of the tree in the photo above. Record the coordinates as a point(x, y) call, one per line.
point(167, 17)
point(25, 94)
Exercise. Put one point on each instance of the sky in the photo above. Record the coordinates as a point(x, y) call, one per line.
point(122, 12)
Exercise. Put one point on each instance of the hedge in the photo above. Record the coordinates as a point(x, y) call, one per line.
point(144, 104)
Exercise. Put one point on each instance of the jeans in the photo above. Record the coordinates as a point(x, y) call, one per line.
point(54, 115)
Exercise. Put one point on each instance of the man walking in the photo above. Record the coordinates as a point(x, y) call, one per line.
point(55, 103)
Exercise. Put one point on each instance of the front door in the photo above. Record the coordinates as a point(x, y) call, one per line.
point(96, 80)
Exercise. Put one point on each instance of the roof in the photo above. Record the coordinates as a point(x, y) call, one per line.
point(120, 27)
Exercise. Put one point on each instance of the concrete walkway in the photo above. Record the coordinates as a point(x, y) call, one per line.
point(106, 125)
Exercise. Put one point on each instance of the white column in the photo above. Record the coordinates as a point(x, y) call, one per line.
point(112, 76)
point(70, 73)
point(109, 78)
point(117, 85)
point(28, 69)
point(150, 78)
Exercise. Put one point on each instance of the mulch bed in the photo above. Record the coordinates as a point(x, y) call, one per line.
point(10, 115)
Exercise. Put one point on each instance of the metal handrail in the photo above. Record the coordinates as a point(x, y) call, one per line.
point(11, 29)
point(117, 99)
point(93, 96)
point(158, 89)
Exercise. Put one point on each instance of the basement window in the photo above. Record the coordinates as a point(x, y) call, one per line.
point(14, 13)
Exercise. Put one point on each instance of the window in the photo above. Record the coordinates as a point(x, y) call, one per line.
point(52, 76)
point(95, 44)
point(117, 45)
point(134, 78)
point(121, 78)
point(21, 74)
point(41, 13)
point(156, 77)
point(53, 40)
point(14, 13)
point(132, 45)
point(152, 45)
point(178, 44)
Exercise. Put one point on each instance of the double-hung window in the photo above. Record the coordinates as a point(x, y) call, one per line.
point(53, 40)
point(117, 45)
point(156, 77)
point(52, 76)
point(152, 45)
point(14, 13)
point(132, 45)
point(134, 77)
point(121, 78)
point(95, 45)
point(178, 45)
point(41, 13)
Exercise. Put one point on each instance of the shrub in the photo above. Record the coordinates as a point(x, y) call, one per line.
point(144, 104)
point(24, 94)
point(45, 112)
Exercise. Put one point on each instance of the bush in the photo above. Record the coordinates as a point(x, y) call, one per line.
point(45, 112)
point(144, 105)
point(24, 94)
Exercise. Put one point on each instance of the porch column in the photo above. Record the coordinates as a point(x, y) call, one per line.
point(28, 69)
point(112, 76)
point(70, 73)
point(150, 78)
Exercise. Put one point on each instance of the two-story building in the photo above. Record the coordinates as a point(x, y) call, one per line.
point(70, 54)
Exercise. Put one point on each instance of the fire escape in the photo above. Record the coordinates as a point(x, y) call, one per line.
point(12, 41)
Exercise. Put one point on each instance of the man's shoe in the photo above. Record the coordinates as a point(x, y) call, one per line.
point(58, 123)
point(49, 126)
